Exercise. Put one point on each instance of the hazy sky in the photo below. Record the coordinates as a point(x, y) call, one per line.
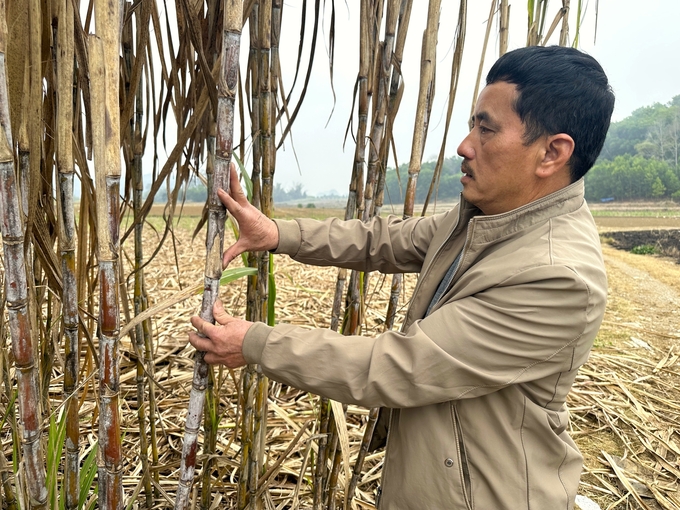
point(638, 44)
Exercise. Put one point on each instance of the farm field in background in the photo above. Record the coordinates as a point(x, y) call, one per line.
point(623, 400)
point(623, 215)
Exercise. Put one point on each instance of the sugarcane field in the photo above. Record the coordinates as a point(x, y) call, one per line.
point(117, 114)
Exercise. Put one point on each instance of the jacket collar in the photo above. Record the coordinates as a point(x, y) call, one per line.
point(488, 228)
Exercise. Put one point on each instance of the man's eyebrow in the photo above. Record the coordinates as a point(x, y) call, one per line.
point(483, 117)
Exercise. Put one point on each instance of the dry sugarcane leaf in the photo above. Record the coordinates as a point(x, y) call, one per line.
point(227, 276)
point(621, 475)
point(343, 437)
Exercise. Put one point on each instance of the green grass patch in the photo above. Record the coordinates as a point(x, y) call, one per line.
point(636, 213)
point(644, 249)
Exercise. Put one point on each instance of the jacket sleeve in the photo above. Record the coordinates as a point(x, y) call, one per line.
point(537, 323)
point(390, 245)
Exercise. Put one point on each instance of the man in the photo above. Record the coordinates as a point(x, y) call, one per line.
point(511, 293)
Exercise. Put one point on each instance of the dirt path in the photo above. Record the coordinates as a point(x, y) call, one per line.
point(634, 360)
point(644, 293)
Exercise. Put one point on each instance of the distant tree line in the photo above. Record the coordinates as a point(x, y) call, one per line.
point(640, 156)
point(295, 192)
point(197, 192)
point(639, 160)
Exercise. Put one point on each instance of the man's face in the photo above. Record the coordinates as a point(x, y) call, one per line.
point(499, 169)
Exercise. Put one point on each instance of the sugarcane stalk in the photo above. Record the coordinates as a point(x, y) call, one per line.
point(277, 16)
point(425, 98)
point(16, 295)
point(453, 88)
point(243, 496)
point(135, 141)
point(481, 60)
point(253, 313)
point(226, 96)
point(21, 332)
point(259, 435)
point(354, 209)
point(150, 370)
point(209, 434)
point(324, 415)
point(370, 20)
point(396, 85)
point(10, 498)
point(383, 63)
point(504, 21)
point(366, 43)
point(564, 32)
point(356, 185)
point(210, 438)
point(107, 179)
point(67, 243)
point(335, 469)
point(6, 475)
point(266, 151)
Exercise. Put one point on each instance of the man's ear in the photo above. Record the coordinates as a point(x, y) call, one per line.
point(558, 151)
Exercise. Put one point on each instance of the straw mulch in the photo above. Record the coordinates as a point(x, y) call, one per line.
point(625, 404)
point(304, 297)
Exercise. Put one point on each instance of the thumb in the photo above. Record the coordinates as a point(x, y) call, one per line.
point(231, 253)
point(219, 314)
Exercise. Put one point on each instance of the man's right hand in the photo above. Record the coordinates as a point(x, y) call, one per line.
point(257, 232)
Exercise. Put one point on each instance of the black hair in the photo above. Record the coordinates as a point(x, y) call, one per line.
point(560, 90)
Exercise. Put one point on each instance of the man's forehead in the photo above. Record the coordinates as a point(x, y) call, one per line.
point(495, 103)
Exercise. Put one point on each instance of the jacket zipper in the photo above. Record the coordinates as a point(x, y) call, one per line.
point(462, 459)
point(471, 225)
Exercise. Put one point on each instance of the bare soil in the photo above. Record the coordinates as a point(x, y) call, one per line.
point(640, 332)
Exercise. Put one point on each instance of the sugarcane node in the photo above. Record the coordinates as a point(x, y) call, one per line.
point(17, 305)
point(8, 240)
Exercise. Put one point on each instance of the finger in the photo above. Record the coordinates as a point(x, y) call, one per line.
point(235, 189)
point(204, 327)
point(232, 205)
point(197, 322)
point(200, 343)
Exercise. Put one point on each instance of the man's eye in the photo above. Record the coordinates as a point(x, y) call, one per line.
point(484, 130)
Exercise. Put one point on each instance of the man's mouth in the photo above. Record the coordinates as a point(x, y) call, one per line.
point(466, 170)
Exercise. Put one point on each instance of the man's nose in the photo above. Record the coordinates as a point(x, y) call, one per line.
point(465, 149)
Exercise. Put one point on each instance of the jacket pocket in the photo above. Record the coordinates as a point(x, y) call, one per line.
point(464, 468)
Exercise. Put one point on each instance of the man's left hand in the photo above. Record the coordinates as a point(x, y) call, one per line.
point(222, 342)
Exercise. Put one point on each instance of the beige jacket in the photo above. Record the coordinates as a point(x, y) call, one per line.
point(478, 387)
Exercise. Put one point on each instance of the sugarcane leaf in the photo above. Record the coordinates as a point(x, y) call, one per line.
point(87, 473)
point(10, 407)
point(234, 273)
point(55, 445)
point(343, 435)
point(246, 178)
point(234, 229)
point(271, 299)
